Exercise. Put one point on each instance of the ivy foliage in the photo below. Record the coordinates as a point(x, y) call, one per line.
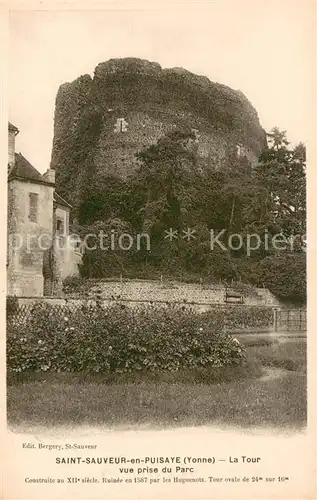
point(173, 188)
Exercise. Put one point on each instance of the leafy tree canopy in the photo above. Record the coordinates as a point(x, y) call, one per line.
point(173, 188)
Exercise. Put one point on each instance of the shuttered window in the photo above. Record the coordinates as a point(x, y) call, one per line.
point(33, 207)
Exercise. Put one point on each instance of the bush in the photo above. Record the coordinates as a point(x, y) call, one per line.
point(12, 306)
point(236, 318)
point(73, 284)
point(285, 275)
point(120, 340)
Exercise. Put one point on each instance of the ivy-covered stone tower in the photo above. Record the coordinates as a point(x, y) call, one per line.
point(128, 104)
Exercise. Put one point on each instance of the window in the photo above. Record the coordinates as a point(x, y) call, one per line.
point(78, 247)
point(196, 133)
point(33, 207)
point(59, 226)
point(241, 151)
point(120, 126)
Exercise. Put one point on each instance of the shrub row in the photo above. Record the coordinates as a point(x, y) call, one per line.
point(117, 339)
point(247, 317)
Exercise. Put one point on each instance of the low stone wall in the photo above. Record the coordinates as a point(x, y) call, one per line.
point(137, 292)
point(153, 291)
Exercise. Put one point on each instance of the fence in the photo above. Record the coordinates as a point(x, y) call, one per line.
point(290, 320)
point(21, 310)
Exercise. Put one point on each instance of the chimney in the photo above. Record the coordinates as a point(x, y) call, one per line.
point(49, 176)
point(12, 132)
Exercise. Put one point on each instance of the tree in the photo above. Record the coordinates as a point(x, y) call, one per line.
point(277, 139)
point(172, 189)
point(281, 180)
point(284, 274)
point(166, 178)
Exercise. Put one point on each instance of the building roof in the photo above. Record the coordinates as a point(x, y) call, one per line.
point(13, 127)
point(23, 169)
point(60, 201)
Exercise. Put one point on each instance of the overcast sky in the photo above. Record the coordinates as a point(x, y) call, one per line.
point(262, 48)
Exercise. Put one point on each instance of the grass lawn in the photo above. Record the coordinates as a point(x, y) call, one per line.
point(275, 397)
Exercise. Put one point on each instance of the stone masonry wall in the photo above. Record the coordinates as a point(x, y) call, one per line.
point(156, 291)
point(151, 101)
point(25, 258)
point(201, 296)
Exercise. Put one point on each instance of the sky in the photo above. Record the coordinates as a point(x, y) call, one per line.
point(263, 48)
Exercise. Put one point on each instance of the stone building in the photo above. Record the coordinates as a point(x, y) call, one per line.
point(39, 251)
point(129, 104)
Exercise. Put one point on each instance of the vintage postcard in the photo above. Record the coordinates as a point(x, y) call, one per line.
point(155, 328)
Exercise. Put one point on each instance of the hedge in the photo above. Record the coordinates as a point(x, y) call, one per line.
point(117, 339)
point(246, 317)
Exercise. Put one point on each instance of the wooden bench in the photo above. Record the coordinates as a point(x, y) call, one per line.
point(232, 296)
